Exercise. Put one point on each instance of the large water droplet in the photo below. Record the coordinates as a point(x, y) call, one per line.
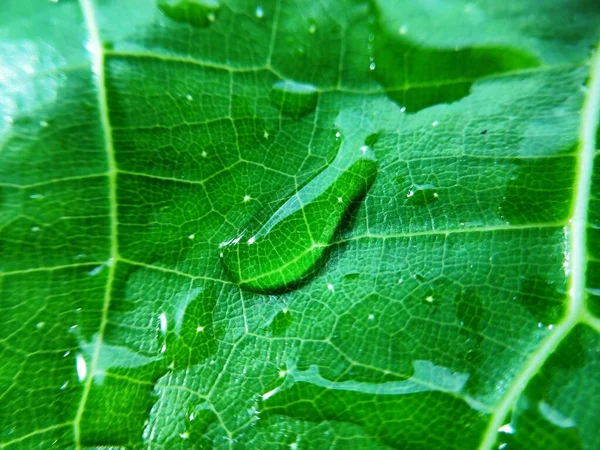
point(294, 99)
point(198, 13)
point(273, 254)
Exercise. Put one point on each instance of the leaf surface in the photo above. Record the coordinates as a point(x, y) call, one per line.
point(457, 304)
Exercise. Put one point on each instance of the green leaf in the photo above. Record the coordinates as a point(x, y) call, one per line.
point(456, 304)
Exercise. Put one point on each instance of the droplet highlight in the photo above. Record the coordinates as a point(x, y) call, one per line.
point(275, 254)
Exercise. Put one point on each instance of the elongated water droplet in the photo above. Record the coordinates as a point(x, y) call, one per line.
point(294, 99)
point(198, 13)
point(276, 253)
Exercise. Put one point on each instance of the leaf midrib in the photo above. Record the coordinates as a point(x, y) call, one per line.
point(576, 312)
point(95, 48)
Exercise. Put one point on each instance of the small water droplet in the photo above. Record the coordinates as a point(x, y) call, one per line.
point(81, 367)
point(372, 139)
point(198, 13)
point(259, 12)
point(403, 30)
point(507, 428)
point(36, 196)
point(271, 393)
point(189, 97)
point(470, 311)
point(543, 300)
point(35, 229)
point(281, 322)
point(43, 123)
point(421, 194)
point(96, 270)
point(472, 355)
point(301, 50)
point(163, 324)
point(288, 243)
point(294, 99)
point(420, 278)
point(372, 66)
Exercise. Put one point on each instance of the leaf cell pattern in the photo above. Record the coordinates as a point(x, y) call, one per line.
point(458, 303)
